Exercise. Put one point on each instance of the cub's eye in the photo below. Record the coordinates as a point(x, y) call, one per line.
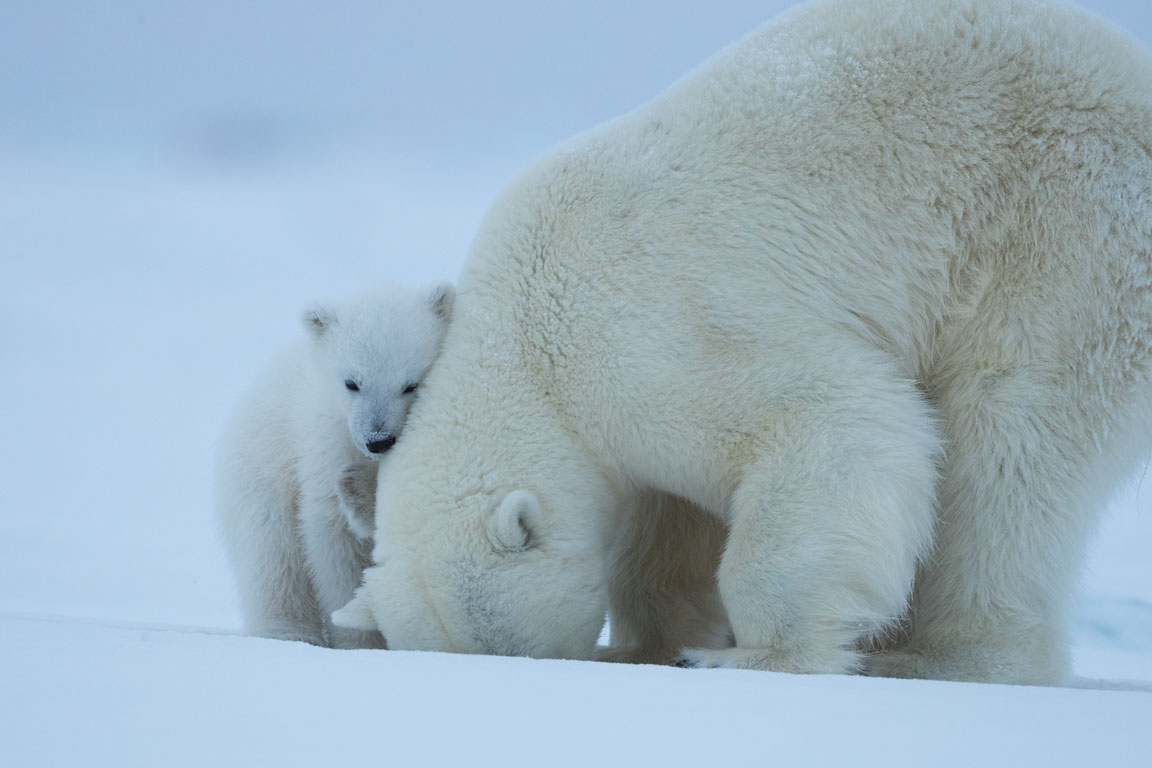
point(351, 386)
point(410, 389)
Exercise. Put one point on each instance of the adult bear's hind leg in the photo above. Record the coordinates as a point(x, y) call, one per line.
point(1031, 461)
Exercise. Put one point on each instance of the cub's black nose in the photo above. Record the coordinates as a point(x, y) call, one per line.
point(379, 446)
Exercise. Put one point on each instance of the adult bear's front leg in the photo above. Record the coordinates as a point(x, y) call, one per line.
point(826, 528)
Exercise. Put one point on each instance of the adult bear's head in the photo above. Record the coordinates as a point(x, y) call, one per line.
point(500, 582)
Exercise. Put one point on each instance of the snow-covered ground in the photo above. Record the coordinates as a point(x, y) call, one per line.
point(138, 696)
point(174, 187)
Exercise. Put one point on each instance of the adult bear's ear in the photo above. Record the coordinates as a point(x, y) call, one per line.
point(510, 527)
point(318, 320)
point(357, 614)
point(442, 299)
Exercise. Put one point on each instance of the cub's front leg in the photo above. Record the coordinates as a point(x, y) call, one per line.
point(336, 555)
point(356, 491)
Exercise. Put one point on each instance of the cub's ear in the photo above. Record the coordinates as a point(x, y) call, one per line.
point(318, 320)
point(510, 527)
point(357, 614)
point(442, 299)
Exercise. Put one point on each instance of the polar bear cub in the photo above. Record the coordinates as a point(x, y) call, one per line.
point(296, 471)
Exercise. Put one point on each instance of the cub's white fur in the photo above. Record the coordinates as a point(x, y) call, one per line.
point(872, 287)
point(296, 471)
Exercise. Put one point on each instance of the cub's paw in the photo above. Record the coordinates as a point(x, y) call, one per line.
point(356, 490)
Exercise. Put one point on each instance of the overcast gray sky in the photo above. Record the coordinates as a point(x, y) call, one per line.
point(293, 77)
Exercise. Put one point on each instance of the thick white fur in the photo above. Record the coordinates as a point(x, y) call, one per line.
point(876, 276)
point(295, 481)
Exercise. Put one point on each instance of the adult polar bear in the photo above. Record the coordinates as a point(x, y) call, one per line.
point(880, 264)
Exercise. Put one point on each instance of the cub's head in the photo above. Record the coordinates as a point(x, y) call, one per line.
point(372, 354)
